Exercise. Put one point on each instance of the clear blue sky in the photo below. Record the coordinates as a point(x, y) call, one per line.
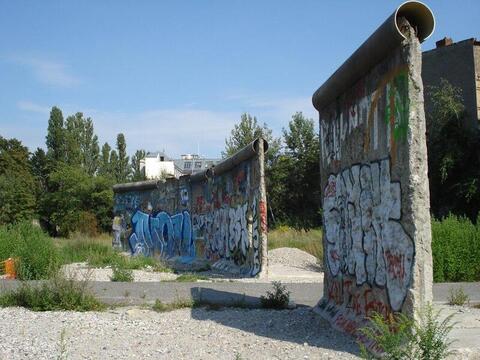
point(176, 75)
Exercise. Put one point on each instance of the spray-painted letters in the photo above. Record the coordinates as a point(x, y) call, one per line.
point(163, 234)
point(365, 239)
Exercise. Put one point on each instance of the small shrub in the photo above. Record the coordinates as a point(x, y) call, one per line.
point(402, 338)
point(457, 297)
point(431, 334)
point(278, 299)
point(120, 274)
point(56, 294)
point(87, 224)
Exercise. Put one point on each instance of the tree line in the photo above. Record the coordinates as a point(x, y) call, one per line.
point(68, 187)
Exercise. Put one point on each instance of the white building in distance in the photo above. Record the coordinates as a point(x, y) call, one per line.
point(158, 165)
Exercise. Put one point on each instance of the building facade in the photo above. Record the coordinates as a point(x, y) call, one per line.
point(459, 63)
point(158, 165)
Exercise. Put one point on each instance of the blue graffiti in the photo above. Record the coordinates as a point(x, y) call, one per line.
point(163, 234)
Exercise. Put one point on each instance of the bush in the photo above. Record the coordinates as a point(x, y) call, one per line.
point(400, 337)
point(278, 299)
point(35, 253)
point(57, 294)
point(455, 249)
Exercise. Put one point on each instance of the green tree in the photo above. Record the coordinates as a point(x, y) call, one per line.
point(89, 147)
point(113, 165)
point(453, 155)
point(81, 143)
point(245, 132)
point(138, 173)
point(73, 137)
point(17, 184)
point(75, 198)
point(104, 168)
point(122, 168)
point(294, 179)
point(56, 136)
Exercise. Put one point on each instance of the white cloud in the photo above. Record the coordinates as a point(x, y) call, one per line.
point(32, 107)
point(177, 131)
point(276, 112)
point(187, 129)
point(47, 71)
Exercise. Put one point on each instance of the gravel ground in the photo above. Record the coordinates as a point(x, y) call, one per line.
point(81, 271)
point(135, 333)
point(294, 258)
point(285, 264)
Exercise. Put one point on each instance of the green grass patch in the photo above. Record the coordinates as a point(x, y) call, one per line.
point(35, 254)
point(455, 249)
point(57, 294)
point(308, 241)
point(190, 278)
point(98, 252)
point(177, 304)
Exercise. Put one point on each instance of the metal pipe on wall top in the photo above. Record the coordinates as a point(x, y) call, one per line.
point(384, 40)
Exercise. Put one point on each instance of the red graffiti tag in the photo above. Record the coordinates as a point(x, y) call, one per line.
point(349, 326)
point(395, 265)
point(334, 255)
point(335, 292)
point(263, 216)
point(374, 305)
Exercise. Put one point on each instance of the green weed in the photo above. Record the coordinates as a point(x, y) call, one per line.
point(120, 274)
point(190, 278)
point(177, 304)
point(56, 294)
point(402, 338)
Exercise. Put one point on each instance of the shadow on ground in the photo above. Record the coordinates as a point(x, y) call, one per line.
point(299, 325)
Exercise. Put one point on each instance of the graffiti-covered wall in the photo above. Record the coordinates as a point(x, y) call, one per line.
point(218, 215)
point(375, 192)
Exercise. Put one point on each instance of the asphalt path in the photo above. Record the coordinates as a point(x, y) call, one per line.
point(225, 293)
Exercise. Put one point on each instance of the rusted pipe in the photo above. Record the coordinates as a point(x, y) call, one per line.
point(246, 153)
point(384, 40)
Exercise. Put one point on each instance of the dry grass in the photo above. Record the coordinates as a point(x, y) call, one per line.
point(308, 241)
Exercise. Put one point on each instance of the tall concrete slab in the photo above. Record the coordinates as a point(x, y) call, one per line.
point(377, 238)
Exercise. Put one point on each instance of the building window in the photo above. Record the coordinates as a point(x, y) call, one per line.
point(187, 165)
point(162, 158)
point(198, 164)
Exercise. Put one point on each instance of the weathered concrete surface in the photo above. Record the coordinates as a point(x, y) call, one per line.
point(375, 193)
